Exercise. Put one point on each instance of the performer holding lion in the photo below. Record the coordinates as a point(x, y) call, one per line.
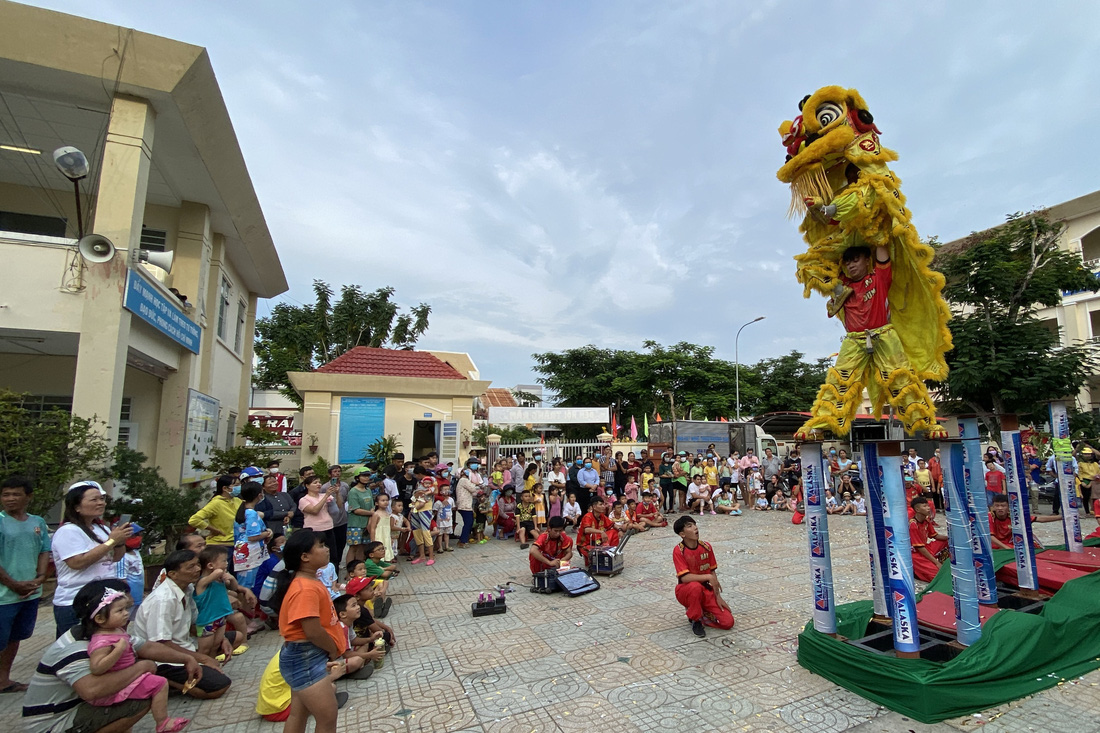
point(866, 257)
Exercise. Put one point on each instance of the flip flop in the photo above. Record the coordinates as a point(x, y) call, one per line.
point(173, 725)
point(341, 699)
point(240, 650)
point(13, 687)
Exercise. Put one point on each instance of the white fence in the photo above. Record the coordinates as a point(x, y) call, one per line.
point(567, 451)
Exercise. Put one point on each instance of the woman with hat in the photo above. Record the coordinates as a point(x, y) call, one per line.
point(84, 549)
point(360, 510)
point(470, 486)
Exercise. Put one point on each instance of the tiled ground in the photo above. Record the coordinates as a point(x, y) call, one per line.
point(617, 660)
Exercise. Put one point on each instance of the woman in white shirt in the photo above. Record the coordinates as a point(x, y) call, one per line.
point(83, 548)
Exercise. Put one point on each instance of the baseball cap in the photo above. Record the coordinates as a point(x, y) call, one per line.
point(250, 473)
point(357, 584)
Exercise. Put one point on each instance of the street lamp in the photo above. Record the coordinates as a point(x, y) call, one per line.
point(737, 364)
point(73, 165)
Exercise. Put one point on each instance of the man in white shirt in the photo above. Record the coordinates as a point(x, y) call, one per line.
point(167, 615)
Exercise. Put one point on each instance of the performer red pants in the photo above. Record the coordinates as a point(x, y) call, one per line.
point(923, 569)
point(702, 605)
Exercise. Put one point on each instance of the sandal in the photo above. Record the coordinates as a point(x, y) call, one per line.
point(13, 687)
point(173, 725)
point(240, 650)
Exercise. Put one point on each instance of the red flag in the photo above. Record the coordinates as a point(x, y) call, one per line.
point(658, 418)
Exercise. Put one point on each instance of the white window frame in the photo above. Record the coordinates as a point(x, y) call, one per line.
point(225, 298)
point(242, 319)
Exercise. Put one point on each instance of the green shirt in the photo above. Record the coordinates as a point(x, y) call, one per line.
point(20, 545)
point(683, 479)
point(359, 499)
point(374, 569)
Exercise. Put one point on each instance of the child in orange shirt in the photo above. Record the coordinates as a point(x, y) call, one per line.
point(314, 642)
point(928, 545)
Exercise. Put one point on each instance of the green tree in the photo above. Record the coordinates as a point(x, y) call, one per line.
point(161, 509)
point(509, 434)
point(51, 448)
point(299, 338)
point(380, 453)
point(782, 384)
point(1004, 359)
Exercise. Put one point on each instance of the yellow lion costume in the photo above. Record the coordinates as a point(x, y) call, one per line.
point(849, 200)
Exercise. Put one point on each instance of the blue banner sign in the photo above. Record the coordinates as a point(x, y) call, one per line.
point(150, 305)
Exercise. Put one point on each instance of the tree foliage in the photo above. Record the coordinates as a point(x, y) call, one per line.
point(509, 434)
point(161, 509)
point(1005, 360)
point(50, 448)
point(299, 338)
point(253, 453)
point(682, 381)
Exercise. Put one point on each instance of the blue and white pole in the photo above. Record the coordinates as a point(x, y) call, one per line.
point(901, 597)
point(1063, 466)
point(978, 510)
point(968, 627)
point(817, 525)
point(1027, 573)
point(876, 529)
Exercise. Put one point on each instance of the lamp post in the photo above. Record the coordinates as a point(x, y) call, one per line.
point(73, 165)
point(737, 364)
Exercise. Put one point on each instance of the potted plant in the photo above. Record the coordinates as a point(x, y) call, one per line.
point(312, 443)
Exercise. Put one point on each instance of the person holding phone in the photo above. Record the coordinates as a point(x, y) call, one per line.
point(84, 548)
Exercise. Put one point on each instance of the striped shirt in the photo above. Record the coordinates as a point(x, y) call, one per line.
point(50, 703)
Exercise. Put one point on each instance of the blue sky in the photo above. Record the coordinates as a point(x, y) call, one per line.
point(548, 175)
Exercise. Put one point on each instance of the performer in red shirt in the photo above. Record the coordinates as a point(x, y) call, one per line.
point(1000, 524)
point(552, 548)
point(697, 586)
point(596, 529)
point(648, 513)
point(928, 545)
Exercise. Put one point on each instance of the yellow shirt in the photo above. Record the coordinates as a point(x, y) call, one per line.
point(646, 478)
point(923, 477)
point(218, 515)
point(711, 473)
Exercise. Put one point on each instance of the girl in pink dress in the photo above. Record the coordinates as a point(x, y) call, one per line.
point(110, 650)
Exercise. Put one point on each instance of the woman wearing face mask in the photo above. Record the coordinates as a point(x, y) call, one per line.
point(470, 486)
point(219, 514)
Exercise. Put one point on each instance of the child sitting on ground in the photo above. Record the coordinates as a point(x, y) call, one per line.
point(110, 650)
point(631, 511)
point(329, 578)
point(780, 503)
point(621, 519)
point(648, 513)
point(212, 600)
point(571, 512)
point(367, 624)
point(861, 506)
point(847, 506)
point(525, 516)
point(831, 504)
point(761, 501)
point(726, 504)
point(361, 652)
point(654, 488)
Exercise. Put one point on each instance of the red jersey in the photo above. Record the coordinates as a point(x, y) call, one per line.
point(698, 561)
point(646, 510)
point(867, 307)
point(556, 549)
point(995, 481)
point(1002, 530)
point(921, 533)
point(585, 540)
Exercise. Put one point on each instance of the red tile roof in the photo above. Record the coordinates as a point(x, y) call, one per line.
point(390, 363)
point(498, 397)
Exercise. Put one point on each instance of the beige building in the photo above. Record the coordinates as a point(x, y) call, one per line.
point(423, 398)
point(1077, 317)
point(166, 175)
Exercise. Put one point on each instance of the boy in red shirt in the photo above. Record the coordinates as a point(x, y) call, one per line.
point(928, 545)
point(552, 548)
point(596, 529)
point(648, 514)
point(1000, 524)
point(697, 586)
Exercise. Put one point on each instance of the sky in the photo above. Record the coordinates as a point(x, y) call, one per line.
point(552, 174)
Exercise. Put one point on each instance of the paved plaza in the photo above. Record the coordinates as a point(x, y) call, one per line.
point(618, 660)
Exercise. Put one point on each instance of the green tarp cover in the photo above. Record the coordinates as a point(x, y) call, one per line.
point(1019, 654)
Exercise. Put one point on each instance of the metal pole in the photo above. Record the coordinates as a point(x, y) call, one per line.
point(737, 365)
point(79, 216)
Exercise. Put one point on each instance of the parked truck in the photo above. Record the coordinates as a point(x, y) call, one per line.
point(695, 435)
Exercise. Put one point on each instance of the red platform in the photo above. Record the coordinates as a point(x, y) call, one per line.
point(1089, 560)
point(938, 611)
point(1052, 576)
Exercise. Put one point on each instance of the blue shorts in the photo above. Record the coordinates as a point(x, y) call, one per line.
point(355, 536)
point(302, 664)
point(17, 621)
